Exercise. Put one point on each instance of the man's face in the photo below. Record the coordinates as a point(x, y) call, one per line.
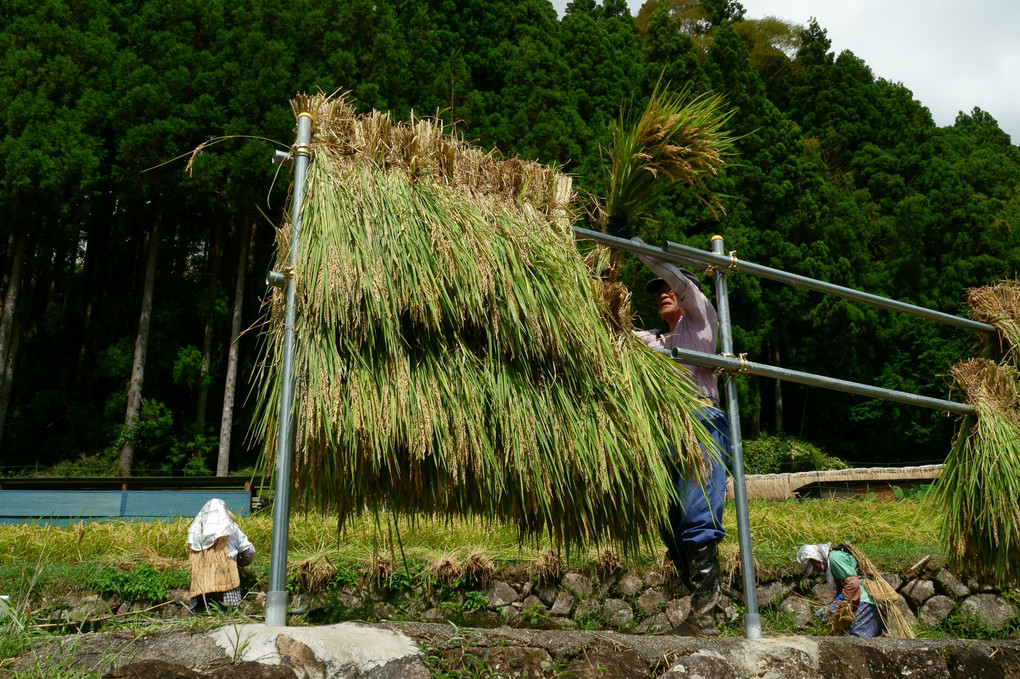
point(669, 309)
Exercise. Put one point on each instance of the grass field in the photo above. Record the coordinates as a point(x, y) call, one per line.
point(67, 559)
point(143, 562)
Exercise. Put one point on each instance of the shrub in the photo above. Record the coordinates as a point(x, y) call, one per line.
point(144, 583)
point(784, 454)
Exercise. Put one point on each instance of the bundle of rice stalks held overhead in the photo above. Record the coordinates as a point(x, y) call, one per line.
point(452, 351)
point(979, 486)
point(676, 138)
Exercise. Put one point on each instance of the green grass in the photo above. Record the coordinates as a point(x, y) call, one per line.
point(59, 560)
point(139, 561)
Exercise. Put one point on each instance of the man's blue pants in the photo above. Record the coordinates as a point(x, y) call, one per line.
point(697, 519)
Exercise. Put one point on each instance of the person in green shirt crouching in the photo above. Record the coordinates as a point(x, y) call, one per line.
point(841, 571)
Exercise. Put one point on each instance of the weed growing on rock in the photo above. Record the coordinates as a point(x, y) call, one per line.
point(536, 614)
point(144, 583)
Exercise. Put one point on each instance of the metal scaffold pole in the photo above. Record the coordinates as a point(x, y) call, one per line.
point(752, 620)
point(276, 598)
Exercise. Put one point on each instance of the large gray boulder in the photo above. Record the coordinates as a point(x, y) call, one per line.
point(935, 610)
point(651, 599)
point(589, 608)
point(654, 579)
point(771, 592)
point(500, 594)
point(951, 585)
point(991, 610)
point(823, 593)
point(655, 624)
point(918, 591)
point(563, 605)
point(893, 579)
point(803, 613)
point(677, 610)
point(904, 608)
point(618, 613)
point(545, 591)
point(629, 585)
point(577, 584)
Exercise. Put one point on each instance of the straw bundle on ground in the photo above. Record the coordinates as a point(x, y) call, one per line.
point(452, 352)
point(979, 487)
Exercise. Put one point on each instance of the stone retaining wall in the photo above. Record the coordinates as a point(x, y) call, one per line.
point(644, 602)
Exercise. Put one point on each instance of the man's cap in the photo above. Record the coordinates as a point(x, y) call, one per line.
point(653, 285)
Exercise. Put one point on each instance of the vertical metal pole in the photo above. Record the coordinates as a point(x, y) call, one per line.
point(752, 620)
point(276, 599)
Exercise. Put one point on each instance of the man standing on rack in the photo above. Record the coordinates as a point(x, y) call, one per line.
point(695, 524)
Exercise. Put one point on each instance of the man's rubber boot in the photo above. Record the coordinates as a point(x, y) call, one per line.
point(704, 563)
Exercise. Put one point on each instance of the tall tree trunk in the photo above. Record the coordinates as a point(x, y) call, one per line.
point(8, 253)
point(7, 378)
point(756, 417)
point(10, 305)
point(214, 276)
point(24, 325)
point(778, 390)
point(134, 404)
point(229, 389)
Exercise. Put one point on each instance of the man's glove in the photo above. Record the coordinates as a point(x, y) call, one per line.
point(617, 226)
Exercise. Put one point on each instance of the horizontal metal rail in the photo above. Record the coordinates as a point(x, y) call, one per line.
point(743, 366)
point(689, 256)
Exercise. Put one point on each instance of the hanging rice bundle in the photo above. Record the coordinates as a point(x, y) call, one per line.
point(452, 354)
point(980, 484)
point(604, 265)
point(999, 305)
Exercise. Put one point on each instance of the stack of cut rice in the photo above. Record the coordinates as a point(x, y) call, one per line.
point(979, 488)
point(453, 351)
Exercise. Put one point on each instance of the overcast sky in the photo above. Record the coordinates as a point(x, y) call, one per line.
point(952, 55)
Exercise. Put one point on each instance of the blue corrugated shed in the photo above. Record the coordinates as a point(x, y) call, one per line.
point(71, 506)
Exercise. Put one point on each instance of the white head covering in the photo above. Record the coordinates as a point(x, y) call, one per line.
point(212, 522)
point(807, 553)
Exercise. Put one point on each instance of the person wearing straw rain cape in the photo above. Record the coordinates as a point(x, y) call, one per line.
point(853, 598)
point(694, 525)
point(218, 548)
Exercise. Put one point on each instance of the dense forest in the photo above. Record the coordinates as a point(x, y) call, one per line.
point(132, 283)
